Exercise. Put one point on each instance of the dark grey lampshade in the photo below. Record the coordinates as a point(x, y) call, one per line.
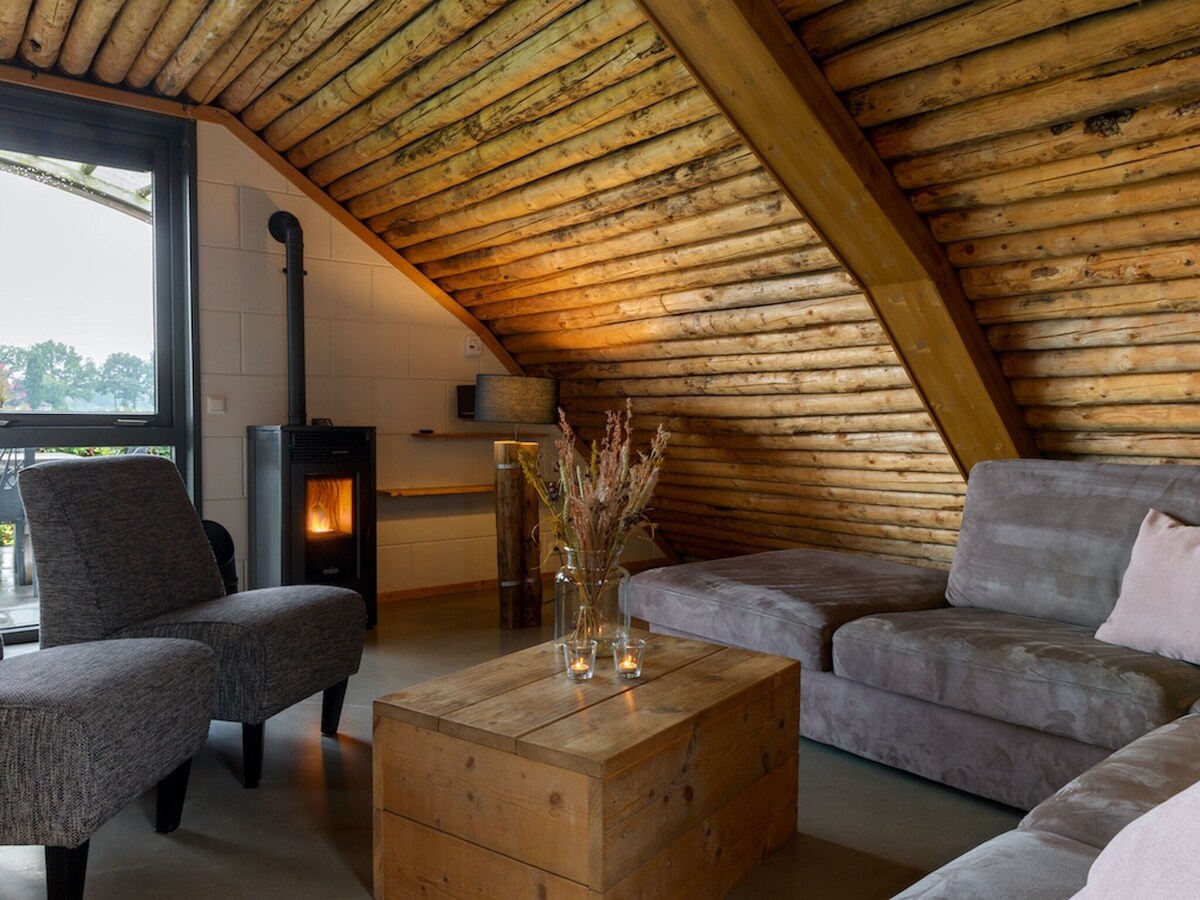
point(516, 399)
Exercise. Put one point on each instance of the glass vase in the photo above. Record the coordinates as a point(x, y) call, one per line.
point(590, 601)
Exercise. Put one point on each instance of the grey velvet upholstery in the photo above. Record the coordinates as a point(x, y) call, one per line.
point(1032, 672)
point(1092, 808)
point(1052, 539)
point(121, 552)
point(787, 602)
point(1016, 865)
point(84, 729)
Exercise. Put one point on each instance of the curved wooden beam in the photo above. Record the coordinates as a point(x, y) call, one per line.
point(745, 56)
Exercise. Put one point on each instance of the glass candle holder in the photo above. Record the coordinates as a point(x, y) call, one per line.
point(627, 657)
point(580, 659)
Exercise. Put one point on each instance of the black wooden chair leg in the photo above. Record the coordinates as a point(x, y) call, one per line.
point(171, 791)
point(65, 870)
point(252, 754)
point(331, 706)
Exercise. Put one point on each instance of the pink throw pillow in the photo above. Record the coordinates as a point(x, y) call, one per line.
point(1159, 607)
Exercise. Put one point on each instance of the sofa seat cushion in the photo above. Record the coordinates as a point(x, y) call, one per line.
point(1045, 675)
point(1138, 777)
point(1016, 865)
point(787, 602)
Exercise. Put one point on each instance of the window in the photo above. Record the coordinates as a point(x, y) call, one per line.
point(97, 319)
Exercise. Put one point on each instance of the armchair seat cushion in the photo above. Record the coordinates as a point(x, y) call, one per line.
point(86, 728)
point(274, 646)
point(1047, 675)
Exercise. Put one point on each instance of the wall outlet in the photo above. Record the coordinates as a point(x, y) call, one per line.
point(215, 405)
point(473, 346)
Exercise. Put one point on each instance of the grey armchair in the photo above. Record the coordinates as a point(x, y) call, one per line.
point(84, 730)
point(122, 553)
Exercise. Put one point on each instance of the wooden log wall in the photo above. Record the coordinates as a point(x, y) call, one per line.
point(557, 171)
point(1053, 149)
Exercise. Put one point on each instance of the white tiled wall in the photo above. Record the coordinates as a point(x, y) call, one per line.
point(379, 352)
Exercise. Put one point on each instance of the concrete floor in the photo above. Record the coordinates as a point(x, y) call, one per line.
point(864, 831)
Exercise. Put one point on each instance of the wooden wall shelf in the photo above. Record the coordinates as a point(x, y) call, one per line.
point(475, 435)
point(439, 491)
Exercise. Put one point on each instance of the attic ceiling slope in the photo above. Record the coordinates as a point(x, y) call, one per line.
point(555, 169)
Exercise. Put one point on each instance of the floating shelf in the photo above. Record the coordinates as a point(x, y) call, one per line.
point(439, 491)
point(474, 435)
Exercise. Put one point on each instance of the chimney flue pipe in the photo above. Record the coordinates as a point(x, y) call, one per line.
point(285, 228)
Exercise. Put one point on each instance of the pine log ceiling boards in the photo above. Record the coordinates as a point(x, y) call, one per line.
point(975, 233)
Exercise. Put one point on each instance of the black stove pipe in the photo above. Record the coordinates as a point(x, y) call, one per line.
point(285, 228)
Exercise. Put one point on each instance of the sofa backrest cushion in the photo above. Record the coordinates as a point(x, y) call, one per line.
point(1051, 539)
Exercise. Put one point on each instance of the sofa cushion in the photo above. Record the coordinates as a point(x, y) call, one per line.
point(1016, 865)
point(1045, 675)
point(787, 602)
point(1107, 797)
point(1051, 539)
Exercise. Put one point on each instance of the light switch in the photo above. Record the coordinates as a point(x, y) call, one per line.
point(473, 346)
point(215, 405)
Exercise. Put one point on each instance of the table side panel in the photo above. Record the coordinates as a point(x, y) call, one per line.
point(517, 807)
point(418, 861)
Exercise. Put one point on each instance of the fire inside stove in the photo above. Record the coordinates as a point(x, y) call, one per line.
point(329, 505)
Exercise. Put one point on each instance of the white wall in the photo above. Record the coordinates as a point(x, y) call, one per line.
point(380, 352)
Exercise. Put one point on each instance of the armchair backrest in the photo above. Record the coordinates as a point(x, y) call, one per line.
point(116, 540)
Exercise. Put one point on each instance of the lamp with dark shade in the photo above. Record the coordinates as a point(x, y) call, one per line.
point(520, 400)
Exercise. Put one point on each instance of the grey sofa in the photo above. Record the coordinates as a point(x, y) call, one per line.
point(989, 679)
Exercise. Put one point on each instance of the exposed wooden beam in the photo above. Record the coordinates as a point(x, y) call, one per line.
point(746, 58)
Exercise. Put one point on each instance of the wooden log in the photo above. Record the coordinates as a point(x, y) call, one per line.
point(856, 335)
point(886, 401)
point(759, 383)
point(386, 208)
point(1120, 460)
point(764, 212)
point(930, 482)
point(168, 34)
point(1172, 192)
point(847, 312)
point(91, 23)
point(696, 202)
point(1163, 418)
point(1062, 140)
point(1095, 390)
point(365, 137)
point(318, 23)
point(45, 31)
point(1165, 261)
point(1123, 445)
point(1181, 295)
point(1128, 82)
point(13, 17)
point(797, 235)
point(857, 20)
point(332, 58)
point(1067, 240)
point(219, 22)
point(925, 443)
point(847, 460)
point(831, 358)
point(1103, 169)
point(430, 31)
point(795, 10)
point(552, 142)
point(820, 285)
point(829, 493)
point(651, 157)
point(738, 272)
point(1090, 362)
point(946, 75)
point(260, 30)
point(125, 38)
point(1110, 331)
point(517, 550)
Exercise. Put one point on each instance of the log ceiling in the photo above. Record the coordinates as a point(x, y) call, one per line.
point(560, 174)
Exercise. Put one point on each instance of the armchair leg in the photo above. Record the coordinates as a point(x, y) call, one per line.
point(252, 753)
point(331, 706)
point(65, 870)
point(171, 791)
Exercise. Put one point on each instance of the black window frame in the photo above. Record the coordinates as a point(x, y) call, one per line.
point(56, 125)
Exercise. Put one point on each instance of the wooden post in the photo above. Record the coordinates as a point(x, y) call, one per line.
point(518, 569)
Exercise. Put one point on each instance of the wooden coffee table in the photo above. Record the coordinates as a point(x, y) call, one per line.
point(507, 780)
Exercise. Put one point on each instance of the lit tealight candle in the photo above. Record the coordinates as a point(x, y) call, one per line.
point(628, 664)
point(580, 659)
point(580, 666)
point(628, 655)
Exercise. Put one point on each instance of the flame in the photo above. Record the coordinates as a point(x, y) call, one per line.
point(318, 520)
point(330, 505)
